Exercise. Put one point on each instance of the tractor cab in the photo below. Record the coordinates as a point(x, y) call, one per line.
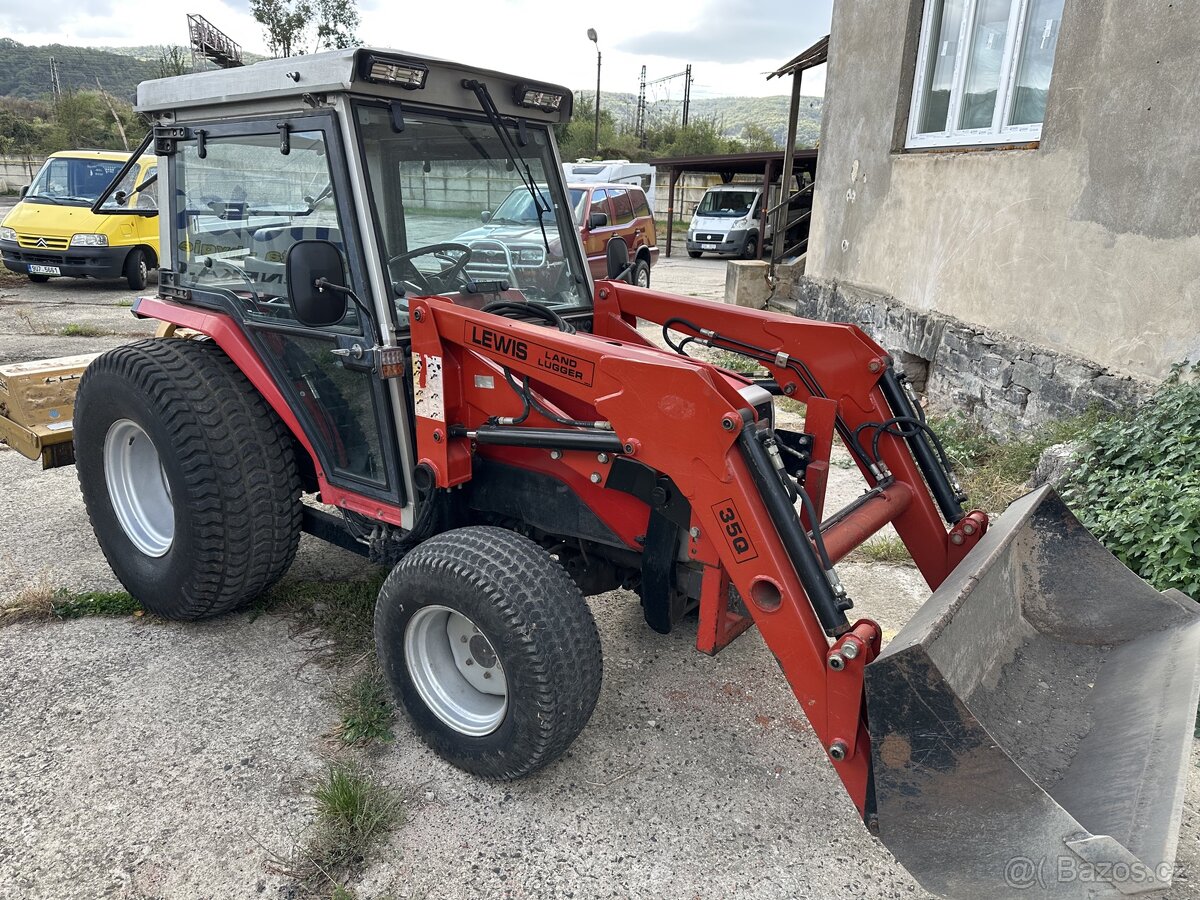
point(386, 158)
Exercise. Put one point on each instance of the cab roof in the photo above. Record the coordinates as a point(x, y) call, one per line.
point(299, 82)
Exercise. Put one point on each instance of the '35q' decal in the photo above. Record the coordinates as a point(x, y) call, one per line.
point(735, 535)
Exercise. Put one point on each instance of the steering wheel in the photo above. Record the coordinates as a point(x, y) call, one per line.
point(421, 284)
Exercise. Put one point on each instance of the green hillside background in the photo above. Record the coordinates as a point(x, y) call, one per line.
point(25, 75)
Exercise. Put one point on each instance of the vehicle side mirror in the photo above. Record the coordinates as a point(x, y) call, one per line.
point(597, 220)
point(24, 191)
point(316, 283)
point(618, 259)
point(485, 216)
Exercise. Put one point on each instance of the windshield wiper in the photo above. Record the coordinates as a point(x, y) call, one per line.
point(53, 200)
point(488, 105)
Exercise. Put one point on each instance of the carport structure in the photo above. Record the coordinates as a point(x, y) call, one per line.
point(768, 165)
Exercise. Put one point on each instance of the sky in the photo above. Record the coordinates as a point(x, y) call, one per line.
point(731, 44)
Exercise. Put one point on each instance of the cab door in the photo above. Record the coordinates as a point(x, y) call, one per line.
point(243, 196)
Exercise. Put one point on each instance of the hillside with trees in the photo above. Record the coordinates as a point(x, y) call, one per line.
point(98, 87)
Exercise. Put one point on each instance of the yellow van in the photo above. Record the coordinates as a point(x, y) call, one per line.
point(52, 231)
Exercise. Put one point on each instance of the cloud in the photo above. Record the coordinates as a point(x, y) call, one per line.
point(734, 31)
point(24, 17)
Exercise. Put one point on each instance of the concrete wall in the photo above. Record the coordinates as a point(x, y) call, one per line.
point(16, 172)
point(1088, 245)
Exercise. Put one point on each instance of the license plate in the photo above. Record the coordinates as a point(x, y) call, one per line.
point(708, 246)
point(44, 270)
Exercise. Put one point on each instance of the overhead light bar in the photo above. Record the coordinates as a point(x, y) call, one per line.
point(535, 97)
point(408, 75)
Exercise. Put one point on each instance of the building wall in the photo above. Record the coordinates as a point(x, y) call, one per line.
point(1088, 245)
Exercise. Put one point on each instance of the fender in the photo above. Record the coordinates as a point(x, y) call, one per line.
point(230, 337)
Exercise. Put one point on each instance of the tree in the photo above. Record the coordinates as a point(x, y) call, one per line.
point(173, 60)
point(336, 23)
point(290, 25)
point(756, 138)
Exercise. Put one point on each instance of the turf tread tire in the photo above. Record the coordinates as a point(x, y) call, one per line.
point(222, 448)
point(536, 619)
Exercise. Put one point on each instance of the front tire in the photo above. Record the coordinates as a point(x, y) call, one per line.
point(751, 249)
point(641, 273)
point(137, 269)
point(491, 650)
point(695, 254)
point(189, 477)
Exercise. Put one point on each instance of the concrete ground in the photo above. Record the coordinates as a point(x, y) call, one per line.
point(147, 760)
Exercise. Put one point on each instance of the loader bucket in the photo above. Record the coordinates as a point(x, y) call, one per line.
point(1031, 725)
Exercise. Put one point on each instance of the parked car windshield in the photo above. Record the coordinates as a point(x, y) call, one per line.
point(446, 179)
point(731, 204)
point(73, 181)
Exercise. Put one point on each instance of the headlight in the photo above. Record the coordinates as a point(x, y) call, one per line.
point(532, 256)
point(7, 234)
point(89, 240)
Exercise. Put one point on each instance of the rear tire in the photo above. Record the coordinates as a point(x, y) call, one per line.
point(517, 616)
point(641, 273)
point(38, 279)
point(137, 269)
point(189, 477)
point(695, 254)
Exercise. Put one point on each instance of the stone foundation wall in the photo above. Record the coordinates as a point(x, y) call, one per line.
point(1006, 384)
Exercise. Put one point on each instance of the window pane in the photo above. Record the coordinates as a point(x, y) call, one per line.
point(939, 78)
point(988, 39)
point(1036, 63)
point(622, 210)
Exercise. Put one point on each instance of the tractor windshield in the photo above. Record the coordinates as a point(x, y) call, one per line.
point(445, 182)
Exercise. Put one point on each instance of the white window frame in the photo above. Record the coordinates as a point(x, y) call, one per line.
point(997, 132)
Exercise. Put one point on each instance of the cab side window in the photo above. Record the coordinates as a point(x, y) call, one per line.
point(641, 208)
point(622, 208)
point(600, 204)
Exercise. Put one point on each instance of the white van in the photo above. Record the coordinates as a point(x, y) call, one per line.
point(728, 219)
point(613, 171)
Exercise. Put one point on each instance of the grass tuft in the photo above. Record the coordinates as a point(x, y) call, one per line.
point(40, 600)
point(367, 710)
point(354, 810)
point(76, 605)
point(74, 329)
point(886, 548)
point(342, 611)
point(124, 302)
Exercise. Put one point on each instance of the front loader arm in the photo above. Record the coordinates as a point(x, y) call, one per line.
point(686, 419)
point(849, 367)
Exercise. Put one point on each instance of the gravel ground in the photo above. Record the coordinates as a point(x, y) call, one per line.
point(148, 760)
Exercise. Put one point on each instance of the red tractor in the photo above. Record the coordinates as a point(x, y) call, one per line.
point(508, 450)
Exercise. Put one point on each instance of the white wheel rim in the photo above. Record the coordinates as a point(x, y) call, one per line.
point(456, 670)
point(137, 488)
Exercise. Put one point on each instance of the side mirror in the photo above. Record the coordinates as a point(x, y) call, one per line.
point(617, 258)
point(24, 191)
point(309, 262)
point(597, 220)
point(485, 217)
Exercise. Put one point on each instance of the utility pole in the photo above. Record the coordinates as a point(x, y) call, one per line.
point(55, 84)
point(640, 122)
point(687, 92)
